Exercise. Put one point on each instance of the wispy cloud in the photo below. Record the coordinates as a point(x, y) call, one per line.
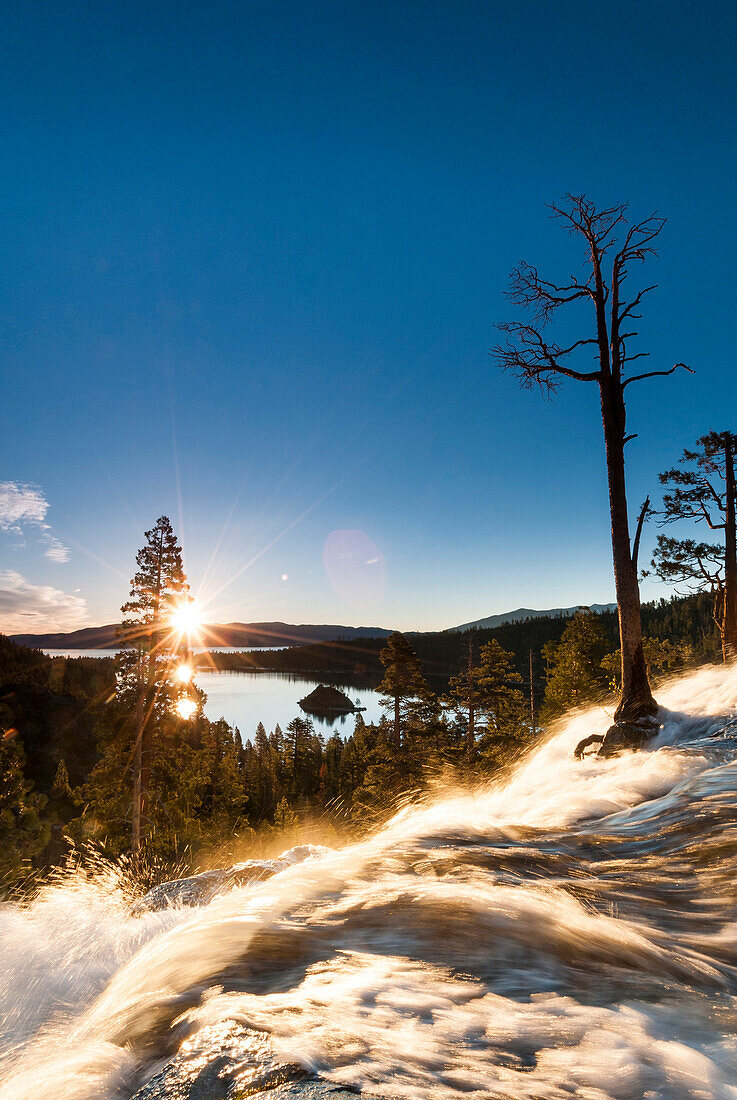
point(37, 609)
point(23, 505)
point(56, 550)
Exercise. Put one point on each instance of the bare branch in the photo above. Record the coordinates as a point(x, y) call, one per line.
point(638, 533)
point(637, 242)
point(534, 361)
point(657, 374)
point(529, 290)
point(596, 226)
point(578, 344)
point(705, 513)
point(627, 311)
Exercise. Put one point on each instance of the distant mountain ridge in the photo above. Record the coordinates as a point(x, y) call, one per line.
point(240, 635)
point(529, 613)
point(227, 634)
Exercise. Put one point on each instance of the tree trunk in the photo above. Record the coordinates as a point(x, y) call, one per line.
point(145, 747)
point(636, 701)
point(397, 731)
point(145, 743)
point(471, 730)
point(729, 632)
point(137, 792)
point(136, 822)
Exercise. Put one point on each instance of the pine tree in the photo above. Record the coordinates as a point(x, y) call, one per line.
point(23, 834)
point(501, 702)
point(575, 674)
point(385, 778)
point(403, 679)
point(702, 489)
point(61, 779)
point(463, 696)
point(145, 670)
point(285, 818)
point(299, 731)
point(223, 796)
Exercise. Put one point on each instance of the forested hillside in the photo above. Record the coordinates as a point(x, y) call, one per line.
point(67, 735)
point(685, 621)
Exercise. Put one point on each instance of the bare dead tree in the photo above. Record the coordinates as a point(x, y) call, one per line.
point(613, 245)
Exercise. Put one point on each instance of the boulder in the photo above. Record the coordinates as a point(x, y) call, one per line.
point(202, 888)
point(230, 1061)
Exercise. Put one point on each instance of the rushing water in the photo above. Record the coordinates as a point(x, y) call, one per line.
point(568, 933)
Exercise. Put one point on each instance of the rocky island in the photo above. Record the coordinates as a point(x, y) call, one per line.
point(328, 700)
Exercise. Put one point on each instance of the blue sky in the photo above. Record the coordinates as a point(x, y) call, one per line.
point(253, 254)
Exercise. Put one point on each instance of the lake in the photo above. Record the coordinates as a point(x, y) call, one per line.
point(244, 699)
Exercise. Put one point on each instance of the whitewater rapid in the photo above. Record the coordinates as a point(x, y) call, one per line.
point(570, 932)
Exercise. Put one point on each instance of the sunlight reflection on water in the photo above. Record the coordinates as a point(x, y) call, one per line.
point(246, 698)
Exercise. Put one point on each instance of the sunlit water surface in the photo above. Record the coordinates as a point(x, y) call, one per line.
point(244, 699)
point(568, 933)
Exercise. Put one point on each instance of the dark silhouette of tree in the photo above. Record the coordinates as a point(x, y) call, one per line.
point(702, 489)
point(145, 665)
point(501, 702)
point(612, 245)
point(575, 675)
point(463, 696)
point(403, 679)
point(299, 732)
point(23, 832)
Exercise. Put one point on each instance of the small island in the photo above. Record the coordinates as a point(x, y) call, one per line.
point(328, 700)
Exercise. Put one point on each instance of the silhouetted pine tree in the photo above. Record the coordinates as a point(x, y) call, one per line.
point(145, 666)
point(575, 674)
point(702, 489)
point(403, 680)
point(502, 703)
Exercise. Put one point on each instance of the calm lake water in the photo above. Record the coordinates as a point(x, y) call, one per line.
point(244, 699)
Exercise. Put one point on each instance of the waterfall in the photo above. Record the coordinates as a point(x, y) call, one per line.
point(567, 932)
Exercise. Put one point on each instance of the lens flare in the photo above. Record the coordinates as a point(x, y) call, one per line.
point(184, 673)
point(186, 618)
point(186, 707)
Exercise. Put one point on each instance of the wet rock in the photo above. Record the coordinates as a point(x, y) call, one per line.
point(229, 1061)
point(202, 888)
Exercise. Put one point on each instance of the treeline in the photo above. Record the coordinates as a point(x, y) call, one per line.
point(685, 621)
point(67, 750)
point(67, 745)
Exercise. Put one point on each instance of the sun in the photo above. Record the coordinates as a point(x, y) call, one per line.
point(186, 618)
